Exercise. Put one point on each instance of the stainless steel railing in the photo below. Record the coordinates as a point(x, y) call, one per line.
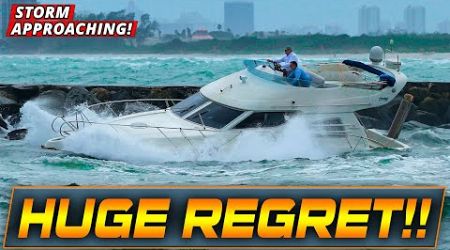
point(77, 119)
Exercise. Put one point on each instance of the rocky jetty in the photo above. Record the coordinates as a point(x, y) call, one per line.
point(431, 102)
point(59, 99)
point(431, 106)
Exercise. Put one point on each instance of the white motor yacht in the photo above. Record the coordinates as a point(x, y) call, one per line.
point(259, 99)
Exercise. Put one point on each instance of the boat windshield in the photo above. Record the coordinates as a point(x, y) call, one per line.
point(215, 115)
point(252, 65)
point(184, 107)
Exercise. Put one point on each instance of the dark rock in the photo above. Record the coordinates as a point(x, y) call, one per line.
point(120, 95)
point(383, 115)
point(160, 93)
point(419, 94)
point(141, 93)
point(173, 93)
point(412, 112)
point(434, 105)
point(54, 94)
point(435, 95)
point(439, 88)
point(101, 94)
point(11, 112)
point(392, 107)
point(18, 134)
point(370, 122)
point(427, 118)
point(73, 185)
point(77, 96)
point(52, 101)
point(447, 116)
point(182, 93)
point(7, 98)
point(3, 124)
point(54, 87)
point(24, 92)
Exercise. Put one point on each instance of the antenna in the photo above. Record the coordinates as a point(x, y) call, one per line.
point(391, 43)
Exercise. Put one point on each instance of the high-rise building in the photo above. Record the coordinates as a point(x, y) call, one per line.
point(415, 19)
point(239, 17)
point(5, 9)
point(4, 16)
point(132, 8)
point(369, 20)
point(444, 27)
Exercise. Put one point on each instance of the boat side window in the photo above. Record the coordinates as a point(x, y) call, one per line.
point(189, 104)
point(263, 120)
point(215, 115)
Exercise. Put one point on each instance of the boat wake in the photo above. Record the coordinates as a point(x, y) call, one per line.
point(294, 140)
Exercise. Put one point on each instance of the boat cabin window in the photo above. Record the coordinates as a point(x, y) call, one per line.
point(189, 104)
point(215, 115)
point(263, 120)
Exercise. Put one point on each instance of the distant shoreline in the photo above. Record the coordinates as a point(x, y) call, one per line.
point(430, 55)
point(306, 45)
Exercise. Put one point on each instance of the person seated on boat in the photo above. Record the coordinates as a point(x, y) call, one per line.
point(283, 63)
point(298, 76)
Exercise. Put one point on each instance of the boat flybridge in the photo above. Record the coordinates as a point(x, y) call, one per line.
point(259, 99)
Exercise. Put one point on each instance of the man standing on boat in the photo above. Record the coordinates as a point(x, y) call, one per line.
point(283, 64)
point(298, 76)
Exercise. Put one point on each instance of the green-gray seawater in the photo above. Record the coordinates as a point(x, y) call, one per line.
point(25, 163)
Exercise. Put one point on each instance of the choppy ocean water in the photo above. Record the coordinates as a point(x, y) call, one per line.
point(25, 163)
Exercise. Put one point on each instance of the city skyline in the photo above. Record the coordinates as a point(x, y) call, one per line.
point(369, 20)
point(269, 13)
point(211, 14)
point(414, 21)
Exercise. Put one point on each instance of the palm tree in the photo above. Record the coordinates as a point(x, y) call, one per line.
point(189, 32)
point(100, 16)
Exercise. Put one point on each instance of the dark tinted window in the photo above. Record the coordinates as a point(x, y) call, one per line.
point(215, 115)
point(189, 104)
point(262, 120)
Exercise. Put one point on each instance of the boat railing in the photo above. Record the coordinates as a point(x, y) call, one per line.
point(79, 117)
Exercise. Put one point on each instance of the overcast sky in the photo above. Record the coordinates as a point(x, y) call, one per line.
point(278, 14)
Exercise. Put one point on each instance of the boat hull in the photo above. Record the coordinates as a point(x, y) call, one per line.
point(329, 135)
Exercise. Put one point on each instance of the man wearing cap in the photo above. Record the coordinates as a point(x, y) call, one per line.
point(283, 64)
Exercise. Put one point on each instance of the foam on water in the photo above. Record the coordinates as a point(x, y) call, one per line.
point(294, 140)
point(38, 122)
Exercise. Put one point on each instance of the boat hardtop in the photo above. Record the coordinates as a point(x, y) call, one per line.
point(259, 88)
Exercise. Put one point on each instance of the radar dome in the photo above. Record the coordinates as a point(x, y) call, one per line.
point(376, 54)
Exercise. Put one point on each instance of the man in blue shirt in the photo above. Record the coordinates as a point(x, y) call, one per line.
point(298, 77)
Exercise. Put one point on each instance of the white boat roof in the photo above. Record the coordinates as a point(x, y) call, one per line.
point(259, 88)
